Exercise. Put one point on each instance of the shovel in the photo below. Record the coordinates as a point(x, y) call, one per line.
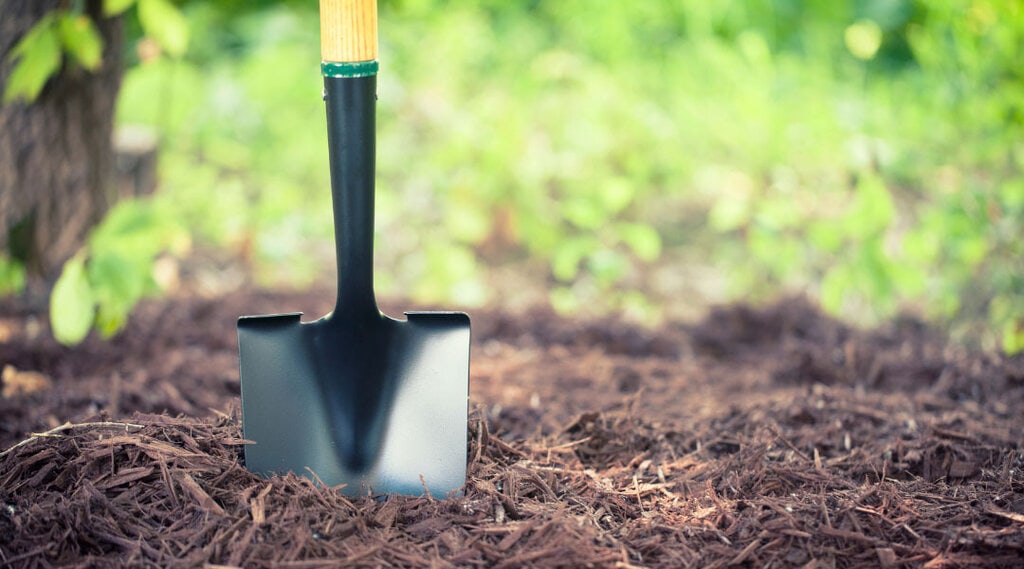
point(356, 398)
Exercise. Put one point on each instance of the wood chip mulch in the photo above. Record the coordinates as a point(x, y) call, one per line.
point(837, 453)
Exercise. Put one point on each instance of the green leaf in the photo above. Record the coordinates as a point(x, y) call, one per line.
point(947, 304)
point(12, 276)
point(922, 245)
point(1007, 312)
point(166, 24)
point(563, 300)
point(972, 249)
point(468, 221)
point(642, 239)
point(754, 48)
point(874, 277)
point(616, 194)
point(584, 213)
point(132, 228)
point(39, 58)
point(72, 307)
point(825, 235)
point(607, 266)
point(729, 213)
point(81, 40)
point(117, 279)
point(863, 38)
point(111, 318)
point(872, 209)
point(761, 242)
point(113, 8)
point(1011, 193)
point(138, 231)
point(778, 213)
point(447, 266)
point(1013, 337)
point(565, 261)
point(834, 287)
point(909, 281)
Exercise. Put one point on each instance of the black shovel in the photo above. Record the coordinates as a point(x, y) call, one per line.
point(356, 397)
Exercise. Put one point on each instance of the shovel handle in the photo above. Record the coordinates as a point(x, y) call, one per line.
point(348, 30)
point(348, 46)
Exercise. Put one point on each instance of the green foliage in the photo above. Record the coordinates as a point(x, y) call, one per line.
point(38, 55)
point(250, 175)
point(165, 24)
point(103, 282)
point(80, 40)
point(863, 38)
point(933, 218)
point(113, 8)
point(832, 145)
point(12, 276)
point(868, 152)
point(72, 305)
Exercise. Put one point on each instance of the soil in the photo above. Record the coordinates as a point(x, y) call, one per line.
point(767, 436)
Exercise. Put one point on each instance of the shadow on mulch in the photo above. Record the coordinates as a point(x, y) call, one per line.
point(769, 436)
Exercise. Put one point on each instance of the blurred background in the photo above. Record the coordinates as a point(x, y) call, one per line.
point(643, 158)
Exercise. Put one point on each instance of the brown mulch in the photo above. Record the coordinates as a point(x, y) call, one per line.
point(759, 437)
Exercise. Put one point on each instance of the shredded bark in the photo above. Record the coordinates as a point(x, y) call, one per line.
point(770, 437)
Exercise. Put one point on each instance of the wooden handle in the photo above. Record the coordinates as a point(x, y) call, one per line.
point(348, 30)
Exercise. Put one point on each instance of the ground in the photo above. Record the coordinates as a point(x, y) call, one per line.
point(765, 436)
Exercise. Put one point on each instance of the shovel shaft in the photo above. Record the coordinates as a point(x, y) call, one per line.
point(348, 44)
point(348, 30)
point(351, 124)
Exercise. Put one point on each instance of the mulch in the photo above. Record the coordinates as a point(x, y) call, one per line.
point(767, 436)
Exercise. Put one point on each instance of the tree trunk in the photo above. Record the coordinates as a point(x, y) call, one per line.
point(56, 153)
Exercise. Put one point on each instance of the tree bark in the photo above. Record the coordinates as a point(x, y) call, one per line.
point(56, 153)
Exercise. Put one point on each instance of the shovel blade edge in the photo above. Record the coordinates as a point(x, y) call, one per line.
point(283, 410)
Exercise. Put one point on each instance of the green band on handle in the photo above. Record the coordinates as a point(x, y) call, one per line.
point(349, 69)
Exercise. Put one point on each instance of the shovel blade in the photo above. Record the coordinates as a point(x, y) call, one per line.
point(292, 423)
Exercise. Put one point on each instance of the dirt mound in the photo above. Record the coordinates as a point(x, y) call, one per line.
point(759, 437)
